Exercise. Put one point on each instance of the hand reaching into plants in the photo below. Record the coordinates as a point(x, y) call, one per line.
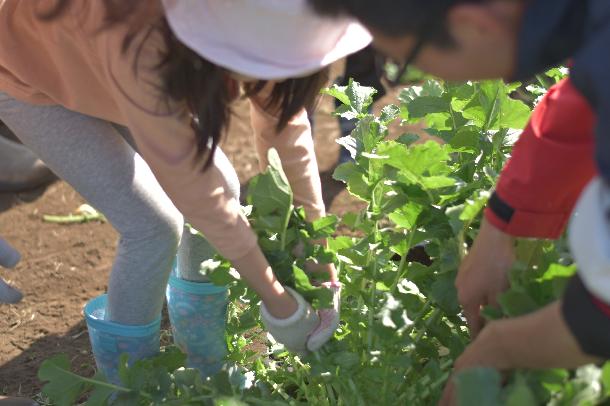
point(483, 274)
point(306, 329)
point(401, 326)
point(538, 340)
point(293, 331)
point(289, 318)
point(314, 268)
point(296, 251)
point(329, 317)
point(9, 257)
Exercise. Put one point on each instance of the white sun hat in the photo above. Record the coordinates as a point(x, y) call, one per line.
point(264, 39)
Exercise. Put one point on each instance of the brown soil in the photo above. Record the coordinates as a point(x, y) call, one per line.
point(64, 266)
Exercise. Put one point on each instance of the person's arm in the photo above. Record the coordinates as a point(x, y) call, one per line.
point(295, 147)
point(565, 334)
point(538, 340)
point(296, 150)
point(483, 273)
point(536, 192)
point(161, 129)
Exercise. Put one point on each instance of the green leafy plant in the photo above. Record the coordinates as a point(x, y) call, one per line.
point(162, 380)
point(401, 326)
point(284, 234)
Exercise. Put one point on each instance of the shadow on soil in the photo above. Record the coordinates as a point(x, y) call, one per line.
point(10, 200)
point(17, 376)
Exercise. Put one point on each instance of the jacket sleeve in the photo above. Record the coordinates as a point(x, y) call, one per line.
point(550, 165)
point(296, 150)
point(586, 307)
point(588, 318)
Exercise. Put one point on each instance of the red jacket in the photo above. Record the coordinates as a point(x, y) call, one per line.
point(550, 165)
point(538, 188)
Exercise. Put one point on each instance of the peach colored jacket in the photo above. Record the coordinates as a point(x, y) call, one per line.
point(70, 62)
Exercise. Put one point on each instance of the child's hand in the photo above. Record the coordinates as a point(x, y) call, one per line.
point(9, 257)
point(306, 329)
point(315, 268)
point(483, 274)
point(293, 331)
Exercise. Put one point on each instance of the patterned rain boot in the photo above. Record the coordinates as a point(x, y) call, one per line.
point(198, 313)
point(109, 340)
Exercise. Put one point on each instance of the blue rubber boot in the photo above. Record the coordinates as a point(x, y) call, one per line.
point(198, 314)
point(109, 340)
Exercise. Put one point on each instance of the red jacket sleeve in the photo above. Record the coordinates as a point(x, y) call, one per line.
point(550, 165)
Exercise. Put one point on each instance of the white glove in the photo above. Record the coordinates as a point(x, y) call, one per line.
point(294, 331)
point(9, 257)
point(329, 319)
point(306, 329)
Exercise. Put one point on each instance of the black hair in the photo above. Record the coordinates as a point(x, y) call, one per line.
point(396, 18)
point(204, 87)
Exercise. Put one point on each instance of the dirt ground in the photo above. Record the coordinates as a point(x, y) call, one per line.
point(64, 266)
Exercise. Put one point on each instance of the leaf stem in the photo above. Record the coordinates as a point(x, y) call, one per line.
point(432, 319)
point(403, 260)
point(95, 382)
point(419, 317)
point(73, 218)
point(285, 228)
point(494, 108)
point(542, 81)
point(373, 259)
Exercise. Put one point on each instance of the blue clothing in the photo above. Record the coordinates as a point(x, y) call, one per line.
point(553, 32)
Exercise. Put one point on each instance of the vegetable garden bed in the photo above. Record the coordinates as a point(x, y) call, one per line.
point(401, 325)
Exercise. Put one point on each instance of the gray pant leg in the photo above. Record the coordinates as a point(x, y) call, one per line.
point(91, 155)
point(195, 249)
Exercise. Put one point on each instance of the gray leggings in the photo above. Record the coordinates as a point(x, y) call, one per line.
point(94, 157)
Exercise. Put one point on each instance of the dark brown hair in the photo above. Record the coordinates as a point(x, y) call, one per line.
point(397, 18)
point(205, 88)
